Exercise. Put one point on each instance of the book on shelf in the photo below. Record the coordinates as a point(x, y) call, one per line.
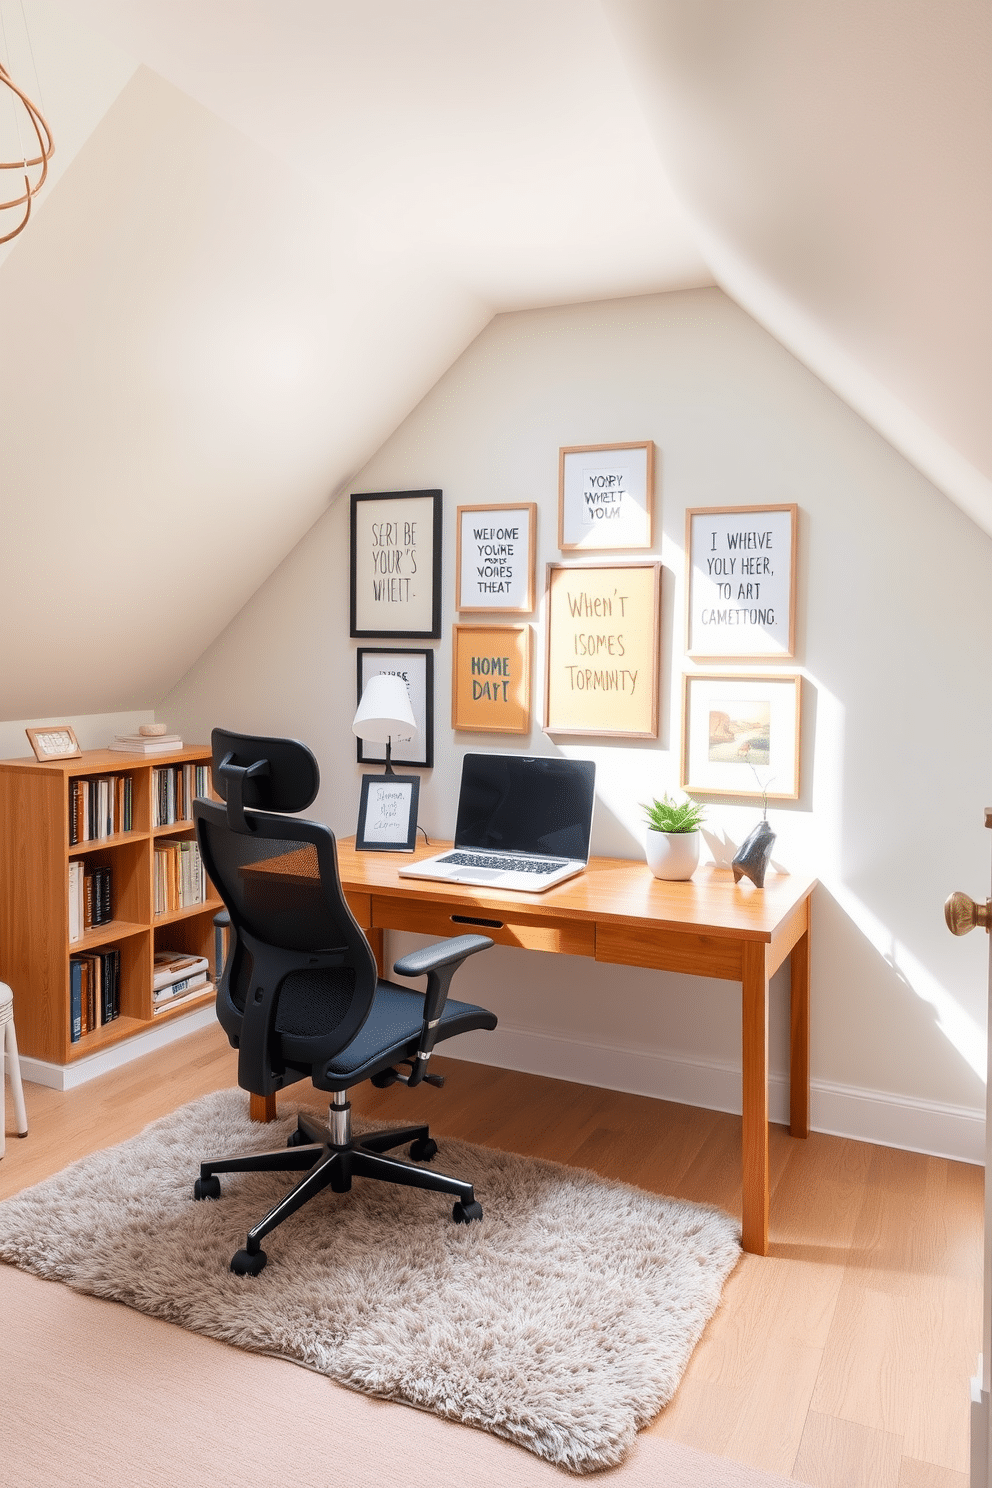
point(161, 1005)
point(174, 966)
point(174, 789)
point(75, 902)
point(99, 806)
point(180, 880)
point(94, 991)
point(146, 743)
point(97, 902)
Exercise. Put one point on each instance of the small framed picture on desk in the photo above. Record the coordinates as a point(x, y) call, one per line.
point(387, 813)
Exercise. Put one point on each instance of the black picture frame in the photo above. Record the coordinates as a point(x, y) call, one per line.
point(369, 836)
point(420, 663)
point(395, 563)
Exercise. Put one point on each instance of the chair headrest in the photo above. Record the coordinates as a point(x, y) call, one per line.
point(267, 774)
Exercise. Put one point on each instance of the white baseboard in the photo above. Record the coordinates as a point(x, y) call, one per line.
point(877, 1116)
point(68, 1076)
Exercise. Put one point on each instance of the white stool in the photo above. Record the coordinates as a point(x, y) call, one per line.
point(13, 1065)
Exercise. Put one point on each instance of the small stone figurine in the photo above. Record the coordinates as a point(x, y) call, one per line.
point(751, 860)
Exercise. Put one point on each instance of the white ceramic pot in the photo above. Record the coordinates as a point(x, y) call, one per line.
point(672, 854)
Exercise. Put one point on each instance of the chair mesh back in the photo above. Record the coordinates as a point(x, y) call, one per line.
point(273, 888)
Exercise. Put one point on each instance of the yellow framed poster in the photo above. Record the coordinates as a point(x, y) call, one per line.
point(490, 678)
point(603, 624)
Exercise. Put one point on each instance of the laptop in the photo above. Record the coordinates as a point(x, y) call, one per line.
point(523, 823)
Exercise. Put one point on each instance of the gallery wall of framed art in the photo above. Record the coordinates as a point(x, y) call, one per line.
point(738, 732)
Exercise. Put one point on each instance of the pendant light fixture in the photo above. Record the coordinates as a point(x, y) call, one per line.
point(22, 173)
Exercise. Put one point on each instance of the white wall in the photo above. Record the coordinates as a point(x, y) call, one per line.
point(892, 586)
point(92, 730)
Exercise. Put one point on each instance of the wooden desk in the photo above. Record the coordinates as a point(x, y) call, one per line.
point(617, 912)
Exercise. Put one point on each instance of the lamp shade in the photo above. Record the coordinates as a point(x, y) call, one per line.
point(384, 710)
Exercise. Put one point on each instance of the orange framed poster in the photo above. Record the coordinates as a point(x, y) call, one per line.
point(490, 678)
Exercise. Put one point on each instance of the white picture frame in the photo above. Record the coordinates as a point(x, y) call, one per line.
point(605, 497)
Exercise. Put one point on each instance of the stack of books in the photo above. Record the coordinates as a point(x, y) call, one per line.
point(180, 880)
point(90, 897)
point(178, 977)
point(146, 743)
point(99, 808)
point(94, 992)
point(174, 789)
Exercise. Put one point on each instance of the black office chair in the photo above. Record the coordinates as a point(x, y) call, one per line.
point(300, 996)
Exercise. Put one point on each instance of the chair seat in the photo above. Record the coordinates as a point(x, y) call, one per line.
point(391, 1033)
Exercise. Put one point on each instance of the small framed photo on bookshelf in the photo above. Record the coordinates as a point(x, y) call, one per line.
point(387, 813)
point(53, 742)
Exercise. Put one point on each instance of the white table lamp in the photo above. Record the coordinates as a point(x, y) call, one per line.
point(384, 712)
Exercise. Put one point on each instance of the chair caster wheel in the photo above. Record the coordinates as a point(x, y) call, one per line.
point(297, 1139)
point(466, 1213)
point(207, 1188)
point(423, 1149)
point(248, 1263)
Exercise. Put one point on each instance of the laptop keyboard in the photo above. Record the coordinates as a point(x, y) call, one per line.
point(508, 865)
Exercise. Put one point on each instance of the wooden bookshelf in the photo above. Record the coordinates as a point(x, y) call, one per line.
point(34, 901)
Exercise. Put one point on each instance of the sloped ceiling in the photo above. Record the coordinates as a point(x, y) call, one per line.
point(280, 223)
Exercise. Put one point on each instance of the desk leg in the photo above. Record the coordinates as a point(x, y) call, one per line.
point(754, 1017)
point(377, 940)
point(262, 1107)
point(799, 1036)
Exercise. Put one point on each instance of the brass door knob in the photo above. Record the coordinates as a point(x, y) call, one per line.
point(963, 914)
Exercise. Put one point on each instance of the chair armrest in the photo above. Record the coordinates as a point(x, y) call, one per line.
point(222, 920)
point(439, 964)
point(445, 953)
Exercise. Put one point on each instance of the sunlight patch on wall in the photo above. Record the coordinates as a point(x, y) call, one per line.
point(960, 1029)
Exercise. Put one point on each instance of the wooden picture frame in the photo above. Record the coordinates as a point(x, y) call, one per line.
point(603, 626)
point(387, 813)
point(740, 582)
point(396, 565)
point(496, 557)
point(741, 735)
point(490, 678)
point(605, 496)
point(416, 667)
point(54, 741)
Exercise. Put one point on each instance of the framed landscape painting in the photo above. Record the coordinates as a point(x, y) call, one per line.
point(741, 735)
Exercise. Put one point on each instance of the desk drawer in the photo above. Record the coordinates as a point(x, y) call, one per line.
point(532, 932)
point(670, 950)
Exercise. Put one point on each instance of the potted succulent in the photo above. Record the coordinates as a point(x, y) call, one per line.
point(673, 836)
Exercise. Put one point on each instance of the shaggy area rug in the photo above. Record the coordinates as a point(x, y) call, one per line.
point(562, 1322)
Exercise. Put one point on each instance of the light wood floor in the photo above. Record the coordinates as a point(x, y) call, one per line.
point(842, 1358)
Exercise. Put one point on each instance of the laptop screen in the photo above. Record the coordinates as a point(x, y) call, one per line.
point(513, 803)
